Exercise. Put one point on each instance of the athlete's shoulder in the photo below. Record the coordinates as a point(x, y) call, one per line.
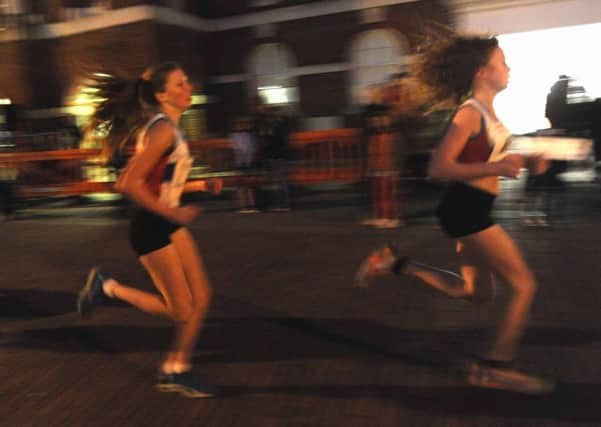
point(160, 125)
point(468, 117)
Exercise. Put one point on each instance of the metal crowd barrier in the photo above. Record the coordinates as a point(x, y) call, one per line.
point(320, 156)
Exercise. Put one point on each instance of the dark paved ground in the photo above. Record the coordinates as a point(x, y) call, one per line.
point(290, 340)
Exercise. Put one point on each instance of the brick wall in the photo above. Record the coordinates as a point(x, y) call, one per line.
point(313, 41)
point(323, 94)
point(233, 100)
point(13, 72)
point(229, 50)
point(58, 66)
point(319, 40)
point(236, 7)
point(185, 47)
point(324, 39)
point(52, 68)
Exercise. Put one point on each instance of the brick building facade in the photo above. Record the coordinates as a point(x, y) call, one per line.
point(315, 55)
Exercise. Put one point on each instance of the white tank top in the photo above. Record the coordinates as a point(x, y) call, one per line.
point(168, 176)
point(498, 135)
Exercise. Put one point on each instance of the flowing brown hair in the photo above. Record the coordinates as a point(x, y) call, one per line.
point(125, 105)
point(448, 62)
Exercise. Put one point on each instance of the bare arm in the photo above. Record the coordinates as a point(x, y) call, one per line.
point(211, 185)
point(444, 164)
point(536, 164)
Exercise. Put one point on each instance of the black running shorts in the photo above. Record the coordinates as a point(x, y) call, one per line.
point(465, 210)
point(149, 232)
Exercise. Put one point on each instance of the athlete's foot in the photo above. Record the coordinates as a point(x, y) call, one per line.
point(379, 262)
point(482, 374)
point(92, 293)
point(187, 384)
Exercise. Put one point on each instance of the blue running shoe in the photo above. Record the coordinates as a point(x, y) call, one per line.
point(187, 384)
point(92, 293)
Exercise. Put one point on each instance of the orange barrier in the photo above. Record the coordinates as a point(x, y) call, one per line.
point(319, 156)
point(327, 156)
point(65, 189)
point(33, 156)
point(217, 153)
point(51, 172)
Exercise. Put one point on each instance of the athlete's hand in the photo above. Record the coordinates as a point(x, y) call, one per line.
point(537, 164)
point(510, 165)
point(184, 214)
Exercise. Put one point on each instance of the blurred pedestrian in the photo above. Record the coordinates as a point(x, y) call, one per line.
point(245, 154)
point(277, 155)
point(8, 200)
point(149, 109)
point(384, 174)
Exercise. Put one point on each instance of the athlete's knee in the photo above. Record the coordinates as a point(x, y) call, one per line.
point(523, 283)
point(202, 301)
point(182, 313)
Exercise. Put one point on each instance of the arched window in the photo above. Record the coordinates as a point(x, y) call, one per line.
point(375, 55)
point(270, 68)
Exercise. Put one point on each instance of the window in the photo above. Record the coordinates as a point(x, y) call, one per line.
point(271, 76)
point(375, 56)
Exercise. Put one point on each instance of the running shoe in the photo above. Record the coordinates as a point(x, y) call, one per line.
point(376, 264)
point(187, 384)
point(92, 293)
point(481, 375)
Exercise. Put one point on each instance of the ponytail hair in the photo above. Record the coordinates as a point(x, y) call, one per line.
point(125, 105)
point(448, 62)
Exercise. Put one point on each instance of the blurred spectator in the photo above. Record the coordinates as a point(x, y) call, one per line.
point(8, 196)
point(69, 135)
point(379, 146)
point(370, 112)
point(260, 130)
point(384, 173)
point(555, 107)
point(277, 156)
point(245, 160)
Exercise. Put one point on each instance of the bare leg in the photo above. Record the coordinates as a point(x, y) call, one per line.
point(199, 292)
point(483, 253)
point(502, 256)
point(165, 267)
point(145, 301)
point(474, 276)
point(445, 281)
point(479, 282)
point(178, 273)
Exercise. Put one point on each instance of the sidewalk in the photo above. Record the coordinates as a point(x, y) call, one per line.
point(289, 338)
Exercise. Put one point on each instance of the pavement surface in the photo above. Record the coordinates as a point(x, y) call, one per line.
point(288, 337)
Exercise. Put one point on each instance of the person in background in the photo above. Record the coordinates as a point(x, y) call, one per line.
point(245, 160)
point(278, 155)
